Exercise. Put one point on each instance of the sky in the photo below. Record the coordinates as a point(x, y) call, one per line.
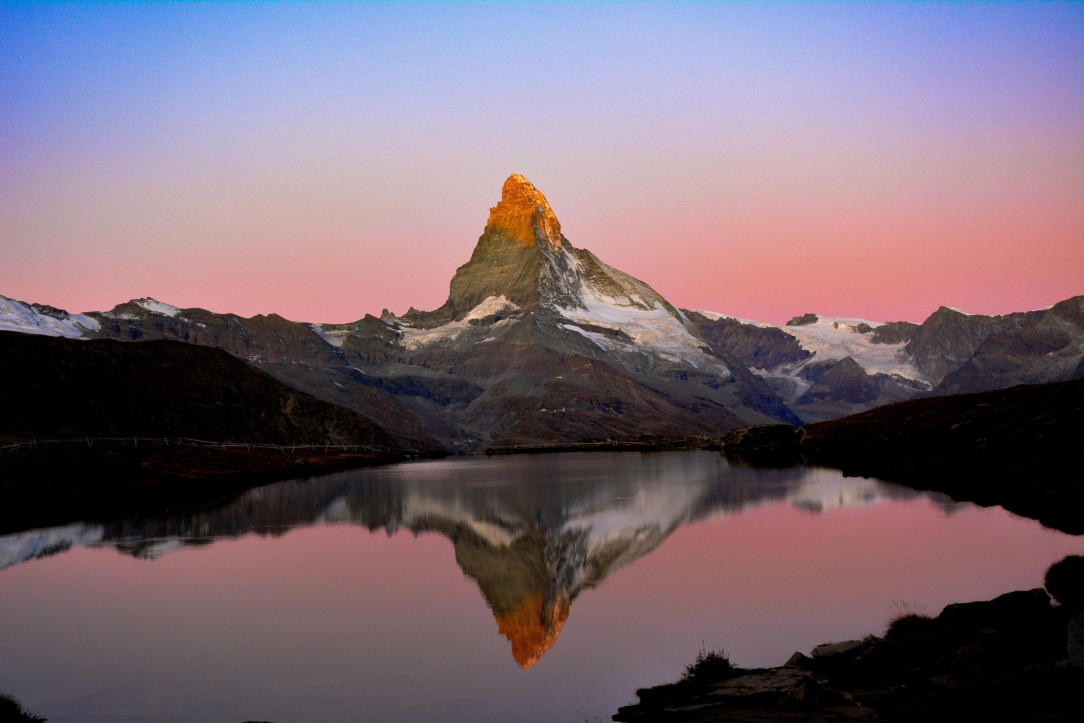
point(324, 161)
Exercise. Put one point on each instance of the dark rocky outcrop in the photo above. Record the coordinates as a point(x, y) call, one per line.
point(754, 346)
point(894, 332)
point(991, 660)
point(839, 380)
point(98, 427)
point(803, 320)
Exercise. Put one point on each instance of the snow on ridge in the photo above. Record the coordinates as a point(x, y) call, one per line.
point(414, 338)
point(653, 329)
point(157, 307)
point(17, 316)
point(837, 338)
point(651, 326)
point(490, 306)
point(716, 316)
point(335, 337)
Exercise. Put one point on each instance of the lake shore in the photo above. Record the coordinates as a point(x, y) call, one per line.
point(1003, 659)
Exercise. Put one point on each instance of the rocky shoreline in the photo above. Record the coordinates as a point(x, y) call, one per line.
point(1002, 659)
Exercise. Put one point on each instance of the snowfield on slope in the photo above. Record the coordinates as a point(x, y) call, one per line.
point(414, 338)
point(837, 338)
point(157, 307)
point(653, 329)
point(17, 316)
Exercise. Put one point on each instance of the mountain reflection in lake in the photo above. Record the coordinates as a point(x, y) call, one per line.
point(334, 623)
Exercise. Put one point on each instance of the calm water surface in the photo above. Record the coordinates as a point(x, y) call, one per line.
point(543, 587)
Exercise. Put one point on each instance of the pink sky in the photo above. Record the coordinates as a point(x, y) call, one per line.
point(868, 160)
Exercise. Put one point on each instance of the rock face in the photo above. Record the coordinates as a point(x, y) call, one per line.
point(948, 339)
point(754, 346)
point(524, 216)
point(1045, 347)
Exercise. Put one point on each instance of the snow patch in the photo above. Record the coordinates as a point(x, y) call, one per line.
point(157, 307)
point(17, 316)
point(335, 337)
point(838, 338)
point(489, 307)
point(651, 326)
point(414, 338)
point(716, 316)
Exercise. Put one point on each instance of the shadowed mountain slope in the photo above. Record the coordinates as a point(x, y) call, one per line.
point(66, 388)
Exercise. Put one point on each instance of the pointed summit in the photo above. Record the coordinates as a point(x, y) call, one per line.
point(524, 215)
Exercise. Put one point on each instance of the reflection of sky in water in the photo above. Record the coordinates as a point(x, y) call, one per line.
point(325, 621)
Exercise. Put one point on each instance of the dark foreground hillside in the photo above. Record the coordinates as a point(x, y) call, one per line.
point(1018, 448)
point(130, 412)
point(55, 388)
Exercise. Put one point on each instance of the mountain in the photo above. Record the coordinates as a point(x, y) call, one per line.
point(826, 368)
point(542, 342)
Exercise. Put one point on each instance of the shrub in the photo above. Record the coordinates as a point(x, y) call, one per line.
point(1065, 582)
point(709, 665)
point(910, 619)
point(12, 710)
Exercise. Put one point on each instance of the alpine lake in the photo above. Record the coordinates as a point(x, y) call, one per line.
point(545, 587)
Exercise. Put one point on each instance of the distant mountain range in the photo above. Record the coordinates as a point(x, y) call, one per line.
point(541, 342)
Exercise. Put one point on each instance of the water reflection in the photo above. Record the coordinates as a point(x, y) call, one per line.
point(532, 531)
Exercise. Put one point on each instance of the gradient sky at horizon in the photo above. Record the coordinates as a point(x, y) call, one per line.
point(324, 161)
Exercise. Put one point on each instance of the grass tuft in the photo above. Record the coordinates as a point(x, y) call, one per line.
point(12, 710)
point(709, 665)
